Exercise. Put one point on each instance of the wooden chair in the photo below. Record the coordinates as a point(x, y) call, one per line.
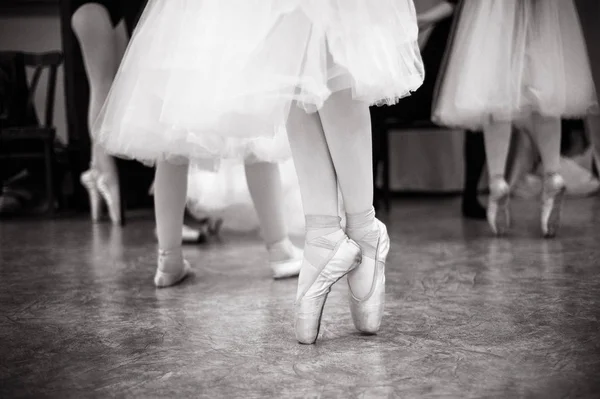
point(43, 133)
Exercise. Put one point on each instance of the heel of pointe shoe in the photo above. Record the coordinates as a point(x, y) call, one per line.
point(498, 212)
point(367, 312)
point(552, 199)
point(309, 308)
point(163, 279)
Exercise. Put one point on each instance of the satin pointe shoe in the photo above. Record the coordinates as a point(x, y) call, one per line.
point(178, 268)
point(315, 282)
point(367, 312)
point(88, 180)
point(552, 198)
point(100, 189)
point(109, 190)
point(498, 212)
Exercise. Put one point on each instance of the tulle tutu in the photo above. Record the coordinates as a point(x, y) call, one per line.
point(216, 78)
point(510, 58)
point(224, 194)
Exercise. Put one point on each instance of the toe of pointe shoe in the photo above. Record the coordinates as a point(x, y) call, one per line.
point(308, 319)
point(306, 337)
point(367, 315)
point(368, 312)
point(164, 279)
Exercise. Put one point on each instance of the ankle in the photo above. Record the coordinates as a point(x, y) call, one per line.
point(170, 259)
point(171, 252)
point(321, 225)
point(316, 222)
point(360, 225)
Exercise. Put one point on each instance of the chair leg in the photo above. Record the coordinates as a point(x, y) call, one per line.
point(385, 154)
point(49, 163)
point(376, 164)
point(122, 195)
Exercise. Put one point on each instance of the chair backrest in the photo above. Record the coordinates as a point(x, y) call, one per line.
point(15, 110)
point(51, 60)
point(17, 96)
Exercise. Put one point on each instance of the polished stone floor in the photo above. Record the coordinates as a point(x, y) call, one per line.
point(467, 316)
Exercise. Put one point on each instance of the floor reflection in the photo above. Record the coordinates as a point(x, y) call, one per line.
point(467, 315)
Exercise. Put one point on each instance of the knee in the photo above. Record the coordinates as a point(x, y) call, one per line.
point(91, 20)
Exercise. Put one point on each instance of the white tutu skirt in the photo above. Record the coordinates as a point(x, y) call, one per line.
point(213, 79)
point(512, 58)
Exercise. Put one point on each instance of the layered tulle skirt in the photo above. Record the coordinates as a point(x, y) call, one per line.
point(511, 58)
point(209, 79)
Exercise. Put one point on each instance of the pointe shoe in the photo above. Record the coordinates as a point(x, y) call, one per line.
point(285, 259)
point(310, 302)
point(498, 215)
point(163, 278)
point(368, 311)
point(88, 181)
point(552, 198)
point(109, 190)
point(101, 188)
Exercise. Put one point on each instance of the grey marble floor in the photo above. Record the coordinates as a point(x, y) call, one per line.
point(467, 316)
